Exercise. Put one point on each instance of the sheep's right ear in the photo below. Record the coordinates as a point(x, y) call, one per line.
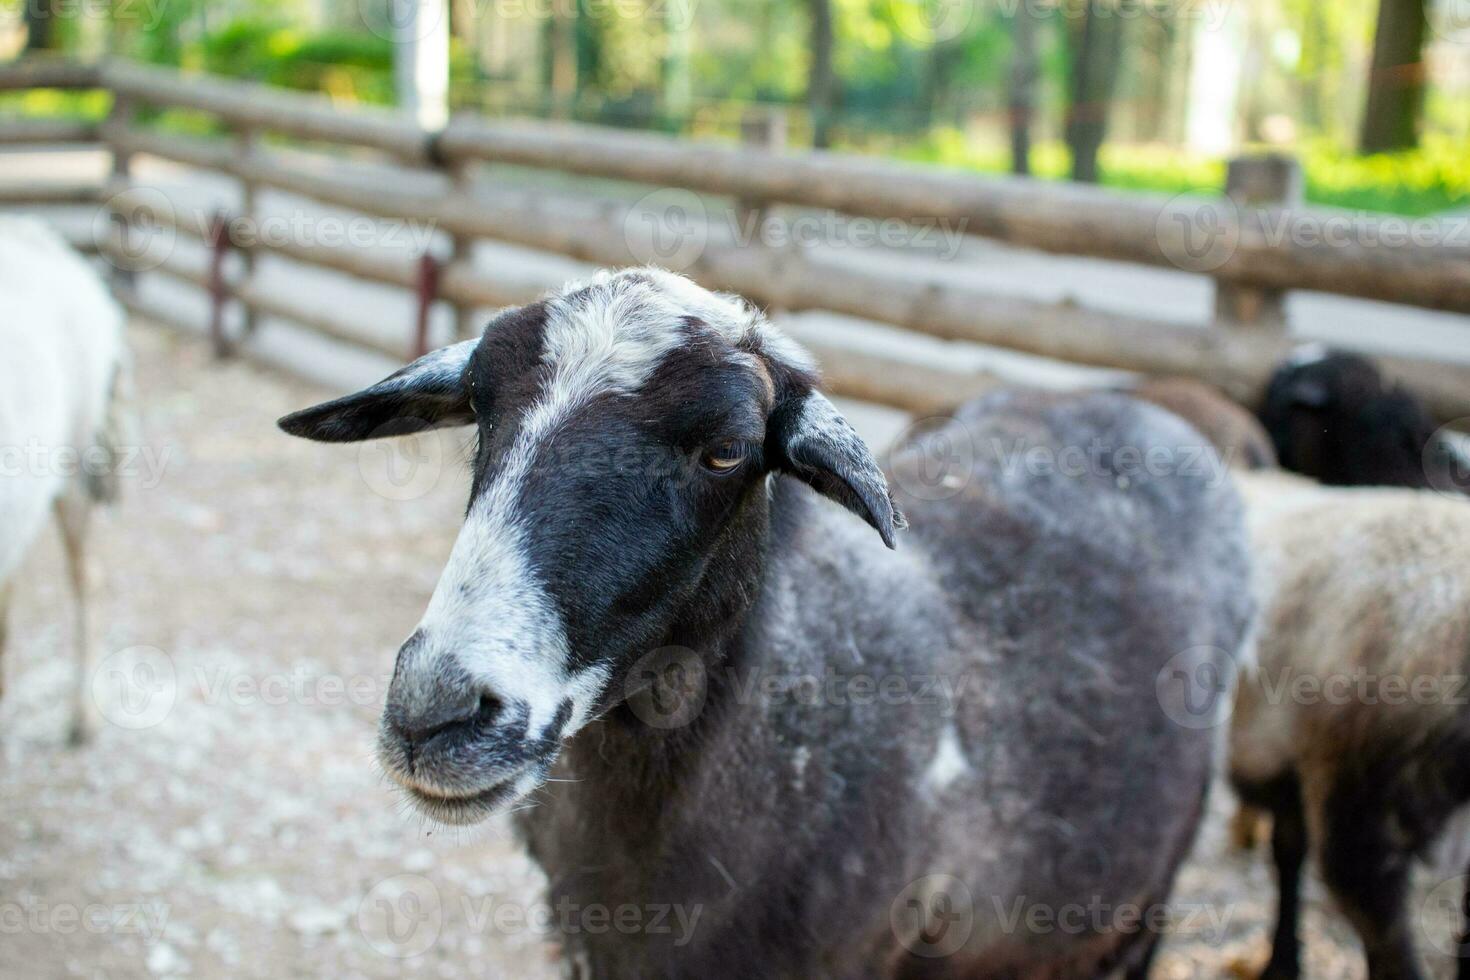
point(430, 393)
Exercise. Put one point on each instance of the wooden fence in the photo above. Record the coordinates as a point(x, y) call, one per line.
point(1256, 244)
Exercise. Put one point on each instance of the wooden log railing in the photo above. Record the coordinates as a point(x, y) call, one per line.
point(1253, 252)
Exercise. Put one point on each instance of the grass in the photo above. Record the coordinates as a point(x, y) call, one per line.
point(1431, 179)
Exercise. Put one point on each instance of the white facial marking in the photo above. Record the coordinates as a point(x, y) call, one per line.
point(948, 763)
point(1305, 354)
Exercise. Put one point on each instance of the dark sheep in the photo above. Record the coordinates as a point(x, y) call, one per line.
point(1334, 417)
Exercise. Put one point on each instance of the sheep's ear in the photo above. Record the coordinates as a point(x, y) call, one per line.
point(814, 443)
point(428, 394)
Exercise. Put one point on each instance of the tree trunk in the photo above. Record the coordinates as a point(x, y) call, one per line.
point(1097, 45)
point(40, 20)
point(1396, 82)
point(1023, 88)
point(559, 48)
point(821, 84)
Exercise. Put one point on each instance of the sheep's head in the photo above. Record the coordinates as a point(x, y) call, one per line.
point(627, 427)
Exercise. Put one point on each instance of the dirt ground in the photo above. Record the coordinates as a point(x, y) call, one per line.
point(227, 819)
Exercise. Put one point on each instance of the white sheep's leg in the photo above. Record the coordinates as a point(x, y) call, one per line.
point(72, 516)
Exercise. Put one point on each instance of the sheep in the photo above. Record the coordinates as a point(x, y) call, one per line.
point(1332, 416)
point(65, 362)
point(1233, 431)
point(1351, 729)
point(709, 693)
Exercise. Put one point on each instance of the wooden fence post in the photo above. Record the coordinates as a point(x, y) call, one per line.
point(1257, 183)
point(760, 129)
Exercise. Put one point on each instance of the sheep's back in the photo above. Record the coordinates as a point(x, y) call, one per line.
point(1365, 631)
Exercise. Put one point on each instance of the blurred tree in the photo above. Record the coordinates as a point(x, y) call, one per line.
point(1396, 79)
point(1096, 36)
point(1022, 92)
point(40, 20)
point(821, 85)
point(559, 49)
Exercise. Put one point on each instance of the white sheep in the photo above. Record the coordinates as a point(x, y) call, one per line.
point(63, 365)
point(1352, 728)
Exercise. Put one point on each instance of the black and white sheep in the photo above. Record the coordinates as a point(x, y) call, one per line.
point(647, 580)
point(64, 360)
point(1352, 728)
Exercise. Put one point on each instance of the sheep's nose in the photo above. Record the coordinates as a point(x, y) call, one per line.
point(444, 715)
point(431, 700)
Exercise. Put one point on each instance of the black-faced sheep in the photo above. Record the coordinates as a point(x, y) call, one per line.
point(1352, 728)
point(64, 360)
point(647, 578)
point(1334, 417)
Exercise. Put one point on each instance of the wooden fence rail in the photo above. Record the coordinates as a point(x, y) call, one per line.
point(1241, 246)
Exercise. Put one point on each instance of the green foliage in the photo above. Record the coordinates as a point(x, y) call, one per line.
point(1433, 178)
point(55, 104)
point(1426, 181)
point(353, 66)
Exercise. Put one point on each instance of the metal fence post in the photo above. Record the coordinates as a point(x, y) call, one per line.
point(123, 112)
point(219, 288)
point(246, 141)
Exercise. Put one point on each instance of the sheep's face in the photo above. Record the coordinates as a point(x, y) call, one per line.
point(626, 429)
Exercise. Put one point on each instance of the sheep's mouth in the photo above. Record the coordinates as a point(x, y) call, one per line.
point(461, 807)
point(462, 810)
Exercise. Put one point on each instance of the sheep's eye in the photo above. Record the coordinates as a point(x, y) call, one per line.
point(724, 458)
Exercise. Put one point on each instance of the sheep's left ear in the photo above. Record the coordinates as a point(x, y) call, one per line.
point(428, 394)
point(814, 443)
